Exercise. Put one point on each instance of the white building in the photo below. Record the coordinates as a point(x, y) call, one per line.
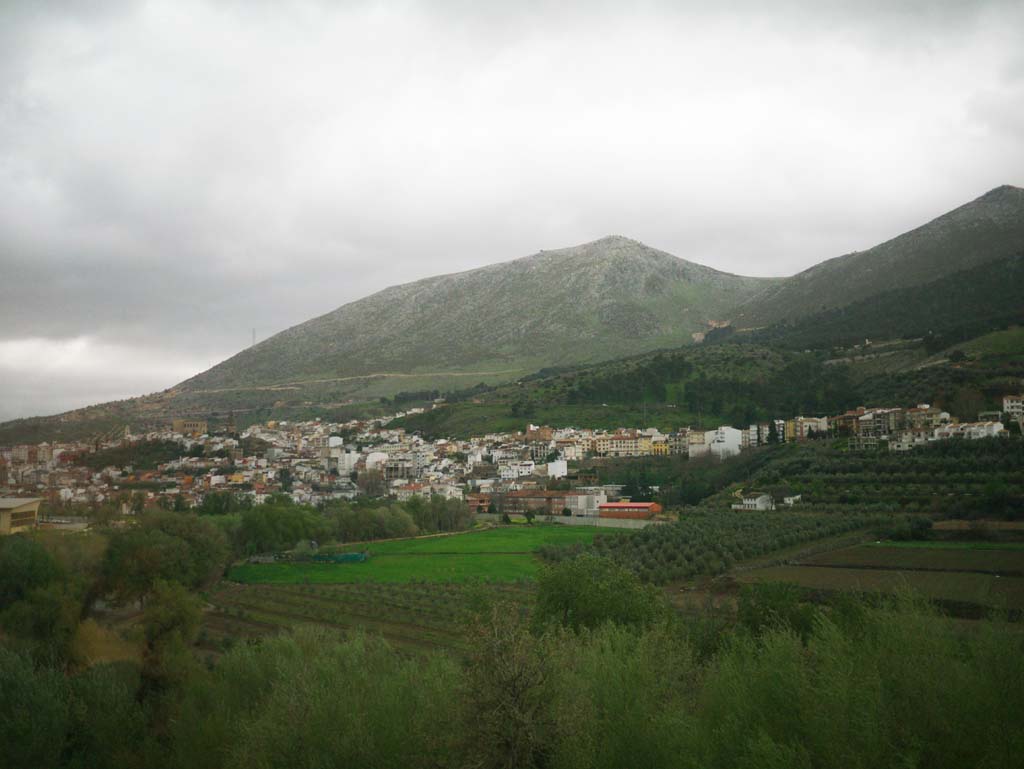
point(969, 430)
point(755, 500)
point(1013, 407)
point(514, 470)
point(724, 442)
point(559, 468)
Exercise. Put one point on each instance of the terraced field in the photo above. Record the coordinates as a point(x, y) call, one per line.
point(411, 616)
point(983, 575)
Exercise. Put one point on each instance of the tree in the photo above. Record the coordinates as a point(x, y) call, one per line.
point(170, 625)
point(513, 719)
point(278, 525)
point(164, 546)
point(284, 476)
point(24, 566)
point(33, 713)
point(138, 503)
point(371, 482)
point(588, 591)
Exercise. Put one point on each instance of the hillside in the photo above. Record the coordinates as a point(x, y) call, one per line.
point(952, 308)
point(984, 230)
point(737, 382)
point(592, 302)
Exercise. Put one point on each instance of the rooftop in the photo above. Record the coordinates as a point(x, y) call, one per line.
point(7, 503)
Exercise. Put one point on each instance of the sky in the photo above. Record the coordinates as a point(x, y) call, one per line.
point(177, 173)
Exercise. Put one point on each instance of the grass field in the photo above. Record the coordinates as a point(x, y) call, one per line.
point(1007, 342)
point(504, 554)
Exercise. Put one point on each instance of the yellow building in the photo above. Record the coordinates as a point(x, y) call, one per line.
point(189, 426)
point(18, 514)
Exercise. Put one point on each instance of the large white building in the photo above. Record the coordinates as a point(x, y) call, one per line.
point(724, 442)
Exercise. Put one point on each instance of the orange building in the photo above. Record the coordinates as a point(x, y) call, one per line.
point(629, 509)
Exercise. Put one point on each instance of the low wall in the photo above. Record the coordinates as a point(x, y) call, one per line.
point(580, 520)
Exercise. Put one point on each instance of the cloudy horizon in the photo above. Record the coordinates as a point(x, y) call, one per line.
point(178, 173)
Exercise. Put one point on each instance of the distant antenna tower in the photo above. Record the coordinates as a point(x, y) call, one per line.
point(254, 337)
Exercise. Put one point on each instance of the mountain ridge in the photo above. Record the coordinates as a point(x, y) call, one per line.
point(985, 229)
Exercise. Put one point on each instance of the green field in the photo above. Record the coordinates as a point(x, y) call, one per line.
point(503, 554)
point(1007, 342)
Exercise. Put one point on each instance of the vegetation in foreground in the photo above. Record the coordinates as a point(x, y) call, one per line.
point(583, 682)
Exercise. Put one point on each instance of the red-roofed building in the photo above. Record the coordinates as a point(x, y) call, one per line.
point(629, 509)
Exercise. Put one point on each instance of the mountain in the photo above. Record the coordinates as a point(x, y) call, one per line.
point(595, 302)
point(587, 303)
point(984, 230)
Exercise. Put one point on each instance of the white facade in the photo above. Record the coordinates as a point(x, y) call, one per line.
point(1013, 407)
point(724, 442)
point(969, 430)
point(755, 502)
point(514, 470)
point(558, 468)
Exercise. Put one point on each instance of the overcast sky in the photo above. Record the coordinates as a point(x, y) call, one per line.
point(173, 174)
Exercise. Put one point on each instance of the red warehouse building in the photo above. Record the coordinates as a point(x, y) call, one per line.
point(629, 509)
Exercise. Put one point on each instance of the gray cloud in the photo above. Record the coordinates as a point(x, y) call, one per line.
point(176, 173)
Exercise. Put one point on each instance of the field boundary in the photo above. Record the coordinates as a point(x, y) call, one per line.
point(876, 567)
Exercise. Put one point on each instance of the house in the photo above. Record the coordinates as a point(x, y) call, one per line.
point(410, 490)
point(970, 430)
point(558, 468)
point(755, 500)
point(696, 446)
point(1013, 407)
point(18, 514)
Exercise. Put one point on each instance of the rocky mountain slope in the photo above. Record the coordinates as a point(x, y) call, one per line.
point(592, 302)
